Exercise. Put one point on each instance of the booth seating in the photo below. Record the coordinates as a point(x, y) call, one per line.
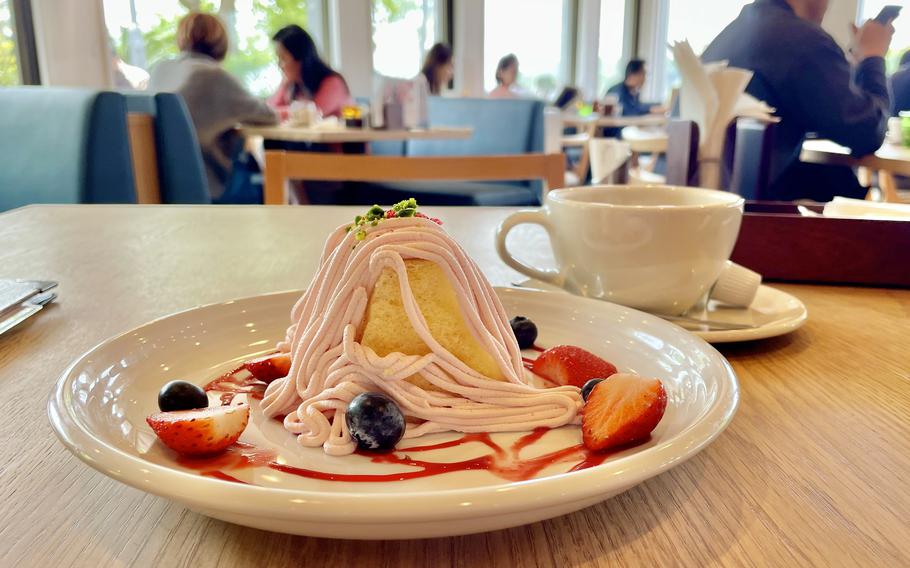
point(163, 138)
point(64, 146)
point(501, 128)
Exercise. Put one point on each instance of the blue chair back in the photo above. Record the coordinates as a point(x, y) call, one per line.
point(501, 126)
point(63, 146)
point(181, 173)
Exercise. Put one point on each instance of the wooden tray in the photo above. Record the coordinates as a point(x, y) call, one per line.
point(781, 244)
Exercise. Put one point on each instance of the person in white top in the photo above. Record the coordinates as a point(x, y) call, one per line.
point(507, 79)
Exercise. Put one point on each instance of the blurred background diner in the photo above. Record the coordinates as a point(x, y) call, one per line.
point(593, 81)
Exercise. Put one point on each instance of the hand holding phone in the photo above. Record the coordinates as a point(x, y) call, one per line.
point(888, 14)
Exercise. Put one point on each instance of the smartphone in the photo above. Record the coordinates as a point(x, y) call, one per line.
point(888, 14)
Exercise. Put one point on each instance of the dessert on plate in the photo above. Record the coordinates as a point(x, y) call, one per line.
point(400, 335)
point(398, 307)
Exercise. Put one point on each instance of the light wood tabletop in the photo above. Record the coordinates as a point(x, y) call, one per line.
point(813, 469)
point(597, 120)
point(890, 157)
point(287, 133)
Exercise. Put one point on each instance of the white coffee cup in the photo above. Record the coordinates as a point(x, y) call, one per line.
point(655, 248)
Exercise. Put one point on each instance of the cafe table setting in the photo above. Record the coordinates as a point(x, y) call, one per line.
point(780, 431)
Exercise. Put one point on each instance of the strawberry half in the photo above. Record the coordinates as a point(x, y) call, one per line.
point(200, 432)
point(570, 365)
point(270, 367)
point(621, 410)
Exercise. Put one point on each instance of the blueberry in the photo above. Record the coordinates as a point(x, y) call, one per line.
point(181, 395)
point(588, 387)
point(525, 331)
point(375, 421)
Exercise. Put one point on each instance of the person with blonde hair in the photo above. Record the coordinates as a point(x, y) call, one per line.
point(216, 100)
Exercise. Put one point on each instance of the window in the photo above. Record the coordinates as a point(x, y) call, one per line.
point(403, 32)
point(9, 62)
point(534, 31)
point(870, 8)
point(699, 22)
point(143, 32)
point(611, 52)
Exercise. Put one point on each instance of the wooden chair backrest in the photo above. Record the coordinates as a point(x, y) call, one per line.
point(751, 173)
point(281, 166)
point(144, 156)
point(682, 153)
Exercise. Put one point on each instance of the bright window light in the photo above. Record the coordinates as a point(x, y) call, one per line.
point(403, 32)
point(533, 31)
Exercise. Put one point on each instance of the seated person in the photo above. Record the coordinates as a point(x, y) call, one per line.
point(306, 76)
point(800, 70)
point(216, 101)
point(900, 86)
point(438, 68)
point(506, 79)
point(629, 91)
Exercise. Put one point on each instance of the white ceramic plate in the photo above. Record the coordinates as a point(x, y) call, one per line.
point(773, 313)
point(99, 405)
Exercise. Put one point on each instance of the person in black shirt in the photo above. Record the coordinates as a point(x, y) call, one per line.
point(801, 71)
point(629, 91)
point(900, 86)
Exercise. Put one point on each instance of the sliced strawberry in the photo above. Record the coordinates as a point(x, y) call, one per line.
point(270, 367)
point(570, 365)
point(621, 410)
point(200, 432)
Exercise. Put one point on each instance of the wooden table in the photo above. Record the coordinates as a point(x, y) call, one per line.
point(600, 121)
point(812, 471)
point(890, 157)
point(587, 129)
point(286, 133)
point(889, 160)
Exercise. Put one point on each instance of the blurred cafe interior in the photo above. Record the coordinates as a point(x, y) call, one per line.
point(709, 194)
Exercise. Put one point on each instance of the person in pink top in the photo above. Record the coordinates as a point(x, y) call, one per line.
point(306, 75)
point(506, 79)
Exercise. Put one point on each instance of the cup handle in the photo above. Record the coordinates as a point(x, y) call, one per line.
point(537, 217)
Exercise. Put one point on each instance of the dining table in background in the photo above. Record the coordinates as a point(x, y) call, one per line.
point(648, 128)
point(260, 139)
point(812, 470)
point(343, 135)
point(890, 160)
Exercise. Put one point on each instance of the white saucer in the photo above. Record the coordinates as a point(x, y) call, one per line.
point(772, 313)
point(99, 406)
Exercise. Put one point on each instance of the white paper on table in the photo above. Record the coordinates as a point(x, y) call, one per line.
point(846, 208)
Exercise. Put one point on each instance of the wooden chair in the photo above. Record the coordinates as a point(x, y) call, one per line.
point(752, 150)
point(682, 153)
point(281, 166)
point(141, 128)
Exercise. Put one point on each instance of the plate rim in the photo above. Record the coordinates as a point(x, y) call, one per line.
point(510, 497)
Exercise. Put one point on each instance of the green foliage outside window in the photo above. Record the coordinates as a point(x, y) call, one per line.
point(9, 65)
point(249, 54)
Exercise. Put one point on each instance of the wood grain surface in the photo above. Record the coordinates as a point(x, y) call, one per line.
point(813, 470)
point(287, 133)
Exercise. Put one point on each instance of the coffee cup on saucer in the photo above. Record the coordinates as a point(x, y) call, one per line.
point(656, 248)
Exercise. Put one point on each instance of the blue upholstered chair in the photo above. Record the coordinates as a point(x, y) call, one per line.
point(181, 174)
point(63, 146)
point(501, 127)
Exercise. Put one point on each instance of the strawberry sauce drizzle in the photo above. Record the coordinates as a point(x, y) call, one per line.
point(502, 462)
